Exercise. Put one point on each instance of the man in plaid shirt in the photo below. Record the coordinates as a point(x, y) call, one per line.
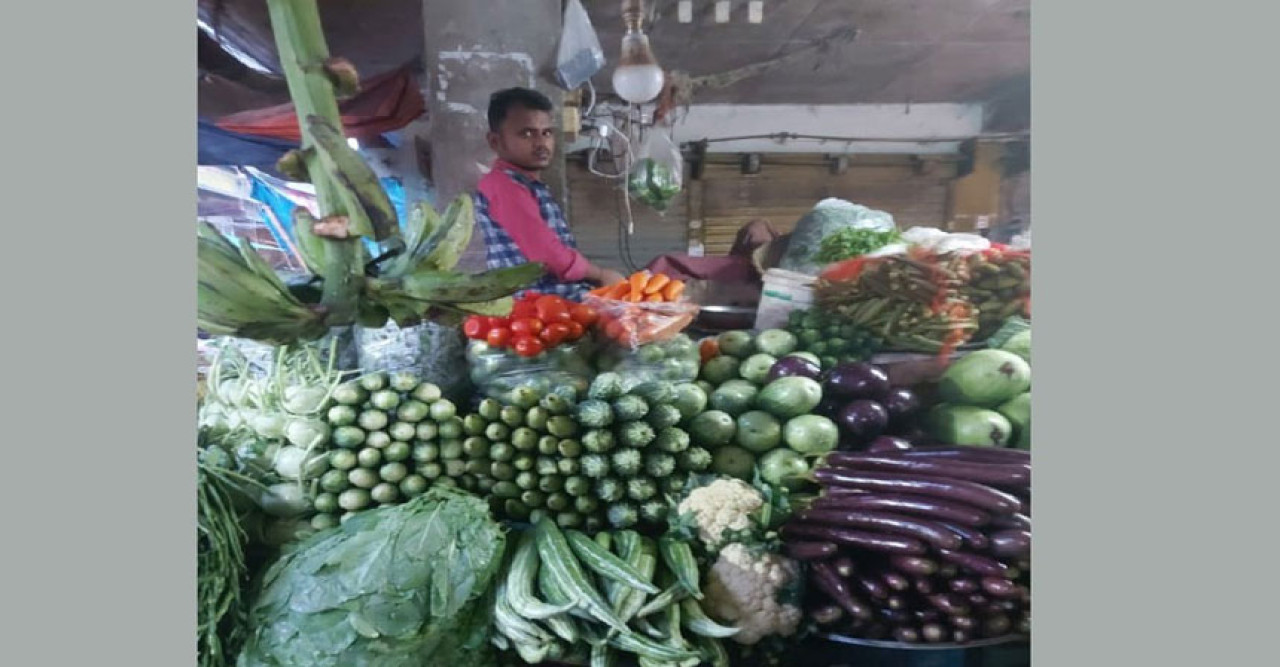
point(520, 219)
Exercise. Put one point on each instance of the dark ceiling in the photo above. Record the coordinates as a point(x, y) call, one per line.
point(915, 51)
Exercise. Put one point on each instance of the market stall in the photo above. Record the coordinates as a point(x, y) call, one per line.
point(403, 463)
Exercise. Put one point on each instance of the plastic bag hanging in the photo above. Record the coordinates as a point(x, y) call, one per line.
point(658, 173)
point(580, 55)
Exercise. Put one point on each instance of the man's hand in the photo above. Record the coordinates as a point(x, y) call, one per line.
point(609, 277)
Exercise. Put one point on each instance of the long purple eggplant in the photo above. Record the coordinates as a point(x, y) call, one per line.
point(873, 587)
point(975, 563)
point(836, 588)
point(1014, 543)
point(913, 565)
point(895, 581)
point(1013, 521)
point(873, 541)
point(925, 506)
point(827, 615)
point(811, 550)
point(948, 604)
point(845, 566)
point(1014, 475)
point(972, 493)
point(963, 585)
point(972, 538)
point(976, 453)
point(932, 532)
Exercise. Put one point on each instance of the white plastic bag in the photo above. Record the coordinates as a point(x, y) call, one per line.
point(658, 173)
point(580, 55)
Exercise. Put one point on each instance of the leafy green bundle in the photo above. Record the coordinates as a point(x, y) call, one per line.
point(401, 586)
point(851, 242)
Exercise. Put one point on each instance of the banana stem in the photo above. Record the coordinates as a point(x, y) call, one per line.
point(302, 48)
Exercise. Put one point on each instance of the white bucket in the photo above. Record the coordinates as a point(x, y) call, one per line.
point(783, 292)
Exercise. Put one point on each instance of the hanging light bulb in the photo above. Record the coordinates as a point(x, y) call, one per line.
point(638, 78)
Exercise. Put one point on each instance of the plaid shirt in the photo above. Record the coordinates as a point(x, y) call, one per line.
point(502, 252)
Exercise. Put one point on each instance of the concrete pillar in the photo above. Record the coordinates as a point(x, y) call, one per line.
point(473, 48)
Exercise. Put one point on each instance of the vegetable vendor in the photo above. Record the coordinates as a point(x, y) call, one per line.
point(520, 219)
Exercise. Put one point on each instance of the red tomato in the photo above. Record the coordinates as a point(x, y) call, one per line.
point(552, 309)
point(530, 326)
point(475, 327)
point(531, 296)
point(498, 337)
point(575, 330)
point(523, 310)
point(528, 346)
point(497, 322)
point(556, 333)
point(584, 314)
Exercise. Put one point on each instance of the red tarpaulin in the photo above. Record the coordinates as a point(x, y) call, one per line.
point(385, 103)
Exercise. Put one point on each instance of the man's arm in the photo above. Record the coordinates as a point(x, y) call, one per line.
point(516, 211)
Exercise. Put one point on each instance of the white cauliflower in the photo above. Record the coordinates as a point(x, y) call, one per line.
point(744, 588)
point(722, 508)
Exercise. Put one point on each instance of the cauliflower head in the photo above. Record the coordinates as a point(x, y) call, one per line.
point(744, 588)
point(722, 508)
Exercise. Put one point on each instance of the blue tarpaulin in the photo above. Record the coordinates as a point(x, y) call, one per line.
point(219, 148)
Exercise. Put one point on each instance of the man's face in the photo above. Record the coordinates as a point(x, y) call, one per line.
point(526, 139)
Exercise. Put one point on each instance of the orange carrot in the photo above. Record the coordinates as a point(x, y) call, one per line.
point(599, 291)
point(617, 291)
point(655, 297)
point(656, 283)
point(673, 290)
point(638, 280)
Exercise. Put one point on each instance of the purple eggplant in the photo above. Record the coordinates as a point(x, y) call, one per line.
point(863, 419)
point(857, 380)
point(994, 474)
point(933, 508)
point(972, 493)
point(811, 550)
point(888, 443)
point(892, 544)
point(932, 532)
point(903, 406)
point(790, 366)
point(1010, 543)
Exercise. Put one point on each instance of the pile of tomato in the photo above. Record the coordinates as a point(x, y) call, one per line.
point(537, 322)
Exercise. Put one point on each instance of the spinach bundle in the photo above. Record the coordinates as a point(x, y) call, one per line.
point(402, 586)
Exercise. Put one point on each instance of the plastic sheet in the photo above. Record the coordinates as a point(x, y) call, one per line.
point(674, 360)
point(495, 372)
point(434, 352)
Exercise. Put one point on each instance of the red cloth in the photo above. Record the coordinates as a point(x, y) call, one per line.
point(385, 103)
point(717, 269)
point(516, 210)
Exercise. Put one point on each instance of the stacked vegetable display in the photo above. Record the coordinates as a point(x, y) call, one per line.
point(607, 460)
point(986, 400)
point(762, 398)
point(565, 594)
point(919, 545)
point(537, 322)
point(674, 360)
point(830, 339)
point(913, 301)
point(999, 287)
